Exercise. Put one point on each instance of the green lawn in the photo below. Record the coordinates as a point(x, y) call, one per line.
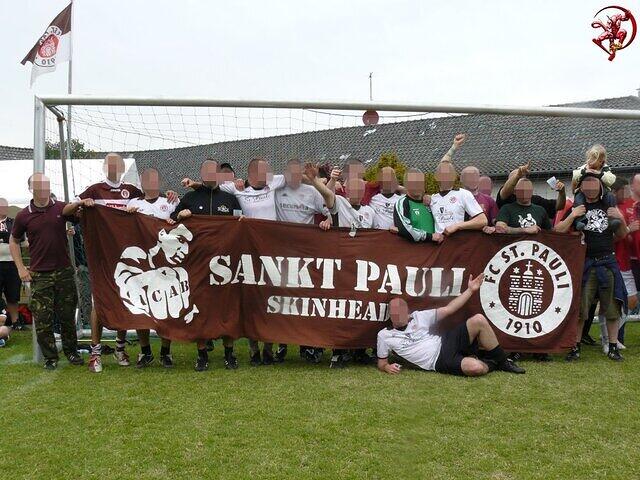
point(302, 421)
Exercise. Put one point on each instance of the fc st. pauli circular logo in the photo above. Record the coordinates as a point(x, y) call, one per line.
point(527, 289)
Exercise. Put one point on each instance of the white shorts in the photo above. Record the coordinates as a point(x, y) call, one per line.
point(630, 283)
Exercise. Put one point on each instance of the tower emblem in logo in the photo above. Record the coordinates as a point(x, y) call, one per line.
point(153, 283)
point(527, 290)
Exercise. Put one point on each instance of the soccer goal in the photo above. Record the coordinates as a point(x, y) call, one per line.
point(73, 133)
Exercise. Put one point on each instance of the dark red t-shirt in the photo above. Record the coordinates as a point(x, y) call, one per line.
point(629, 209)
point(47, 234)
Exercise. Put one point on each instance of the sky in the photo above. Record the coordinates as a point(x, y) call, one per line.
point(458, 51)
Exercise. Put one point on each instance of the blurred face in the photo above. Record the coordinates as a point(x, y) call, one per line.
point(293, 174)
point(446, 176)
point(355, 170)
point(524, 191)
point(635, 185)
point(355, 190)
point(470, 178)
point(485, 185)
point(41, 188)
point(388, 180)
point(150, 180)
point(259, 173)
point(414, 183)
point(114, 167)
point(591, 188)
point(399, 312)
point(226, 175)
point(4, 207)
point(623, 194)
point(209, 173)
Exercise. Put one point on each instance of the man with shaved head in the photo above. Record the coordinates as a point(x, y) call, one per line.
point(208, 199)
point(470, 179)
point(485, 185)
point(383, 203)
point(424, 339)
point(451, 206)
point(522, 216)
point(114, 193)
point(350, 214)
point(53, 292)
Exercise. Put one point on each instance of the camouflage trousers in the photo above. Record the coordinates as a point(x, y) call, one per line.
point(53, 294)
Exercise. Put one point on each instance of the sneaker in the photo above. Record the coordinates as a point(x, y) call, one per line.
point(122, 357)
point(231, 362)
point(338, 361)
point(144, 360)
point(75, 359)
point(267, 357)
point(202, 364)
point(588, 340)
point(621, 346)
point(281, 353)
point(166, 361)
point(95, 363)
point(605, 348)
point(510, 366)
point(2, 342)
point(363, 358)
point(316, 355)
point(614, 354)
point(50, 364)
point(541, 357)
point(255, 359)
point(573, 355)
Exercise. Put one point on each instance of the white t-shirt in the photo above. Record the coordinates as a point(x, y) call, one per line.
point(159, 208)
point(299, 205)
point(450, 209)
point(383, 210)
point(257, 203)
point(350, 217)
point(416, 344)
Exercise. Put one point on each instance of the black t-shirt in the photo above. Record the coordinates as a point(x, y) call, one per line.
point(548, 205)
point(208, 201)
point(598, 238)
point(520, 216)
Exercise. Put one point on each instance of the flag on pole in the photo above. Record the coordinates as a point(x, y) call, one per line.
point(53, 47)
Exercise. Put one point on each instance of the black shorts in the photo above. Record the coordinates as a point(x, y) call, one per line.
point(455, 346)
point(10, 282)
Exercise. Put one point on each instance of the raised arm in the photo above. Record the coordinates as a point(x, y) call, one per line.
point(562, 196)
point(311, 176)
point(458, 141)
point(457, 303)
point(509, 186)
point(564, 225)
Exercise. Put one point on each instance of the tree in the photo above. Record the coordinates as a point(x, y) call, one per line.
point(389, 159)
point(78, 150)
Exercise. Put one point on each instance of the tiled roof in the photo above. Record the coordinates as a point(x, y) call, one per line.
point(496, 144)
point(15, 153)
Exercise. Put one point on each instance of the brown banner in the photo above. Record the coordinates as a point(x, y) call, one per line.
point(281, 282)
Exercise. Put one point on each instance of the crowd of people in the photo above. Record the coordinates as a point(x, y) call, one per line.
point(605, 212)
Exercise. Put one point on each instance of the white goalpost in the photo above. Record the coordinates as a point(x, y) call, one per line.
point(174, 135)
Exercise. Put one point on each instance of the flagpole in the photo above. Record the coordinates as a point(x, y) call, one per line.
point(70, 90)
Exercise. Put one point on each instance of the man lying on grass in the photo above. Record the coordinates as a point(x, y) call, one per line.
point(422, 338)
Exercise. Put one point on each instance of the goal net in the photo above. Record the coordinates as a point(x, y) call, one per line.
point(174, 136)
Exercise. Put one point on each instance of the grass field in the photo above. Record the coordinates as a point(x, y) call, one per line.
point(301, 421)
